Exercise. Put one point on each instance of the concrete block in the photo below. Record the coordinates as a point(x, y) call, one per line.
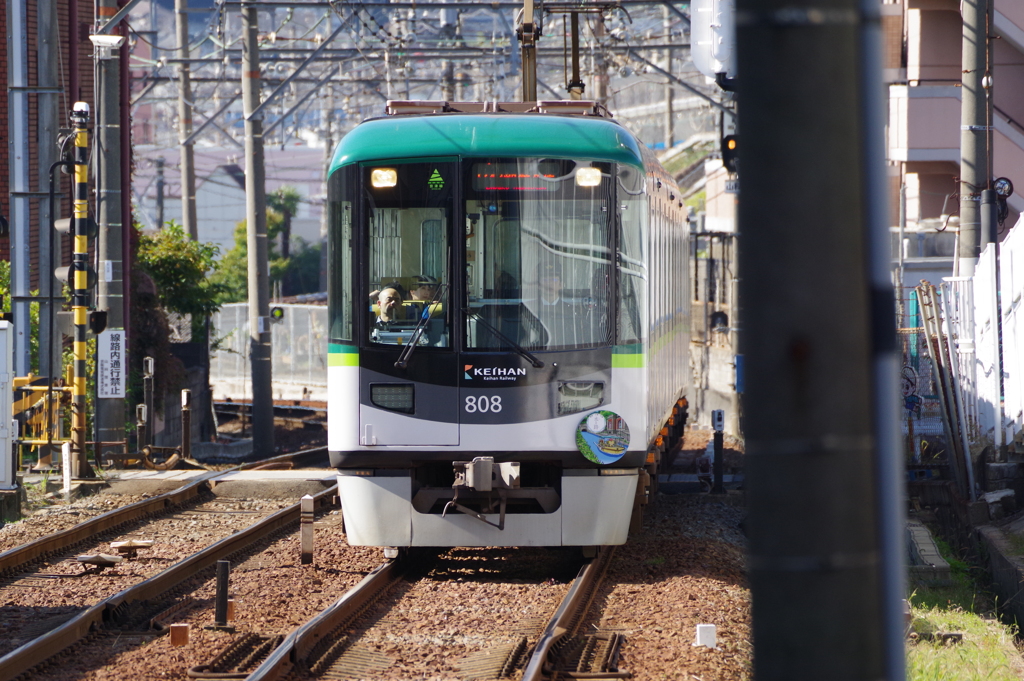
point(1001, 503)
point(216, 452)
point(926, 564)
point(1002, 471)
point(977, 513)
point(10, 505)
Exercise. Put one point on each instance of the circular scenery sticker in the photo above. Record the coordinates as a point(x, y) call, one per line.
point(602, 437)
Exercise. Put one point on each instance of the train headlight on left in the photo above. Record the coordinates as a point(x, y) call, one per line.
point(384, 177)
point(588, 177)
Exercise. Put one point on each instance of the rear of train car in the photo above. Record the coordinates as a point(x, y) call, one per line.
point(509, 328)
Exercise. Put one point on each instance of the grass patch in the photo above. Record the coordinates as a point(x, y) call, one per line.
point(685, 159)
point(697, 200)
point(988, 650)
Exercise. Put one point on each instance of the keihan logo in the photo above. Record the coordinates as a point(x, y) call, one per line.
point(493, 373)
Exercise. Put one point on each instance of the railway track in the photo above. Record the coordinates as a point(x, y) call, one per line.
point(346, 639)
point(21, 557)
point(50, 635)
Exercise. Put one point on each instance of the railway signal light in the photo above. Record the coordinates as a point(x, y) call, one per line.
point(730, 155)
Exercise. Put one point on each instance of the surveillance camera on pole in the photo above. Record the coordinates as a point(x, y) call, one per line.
point(106, 44)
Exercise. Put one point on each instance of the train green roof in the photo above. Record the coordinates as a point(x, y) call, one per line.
point(488, 135)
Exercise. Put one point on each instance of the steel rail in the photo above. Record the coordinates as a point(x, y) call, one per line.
point(567, 618)
point(65, 540)
point(41, 649)
point(300, 643)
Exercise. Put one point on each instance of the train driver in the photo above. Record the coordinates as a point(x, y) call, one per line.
point(390, 308)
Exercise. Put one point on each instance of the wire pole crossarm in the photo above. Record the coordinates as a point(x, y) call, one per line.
point(299, 69)
point(302, 100)
point(210, 119)
point(715, 103)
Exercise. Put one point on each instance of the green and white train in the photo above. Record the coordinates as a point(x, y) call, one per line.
point(509, 324)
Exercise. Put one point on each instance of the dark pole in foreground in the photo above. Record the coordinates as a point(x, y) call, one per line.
point(822, 470)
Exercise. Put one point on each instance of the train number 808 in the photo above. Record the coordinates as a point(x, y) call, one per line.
point(483, 403)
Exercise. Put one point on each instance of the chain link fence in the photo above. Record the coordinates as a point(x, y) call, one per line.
point(299, 353)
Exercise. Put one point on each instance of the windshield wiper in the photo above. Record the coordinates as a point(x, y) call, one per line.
point(532, 359)
point(421, 325)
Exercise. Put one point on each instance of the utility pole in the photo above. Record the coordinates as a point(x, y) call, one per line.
point(528, 37)
point(48, 122)
point(21, 185)
point(327, 116)
point(600, 65)
point(975, 130)
point(825, 557)
point(188, 163)
point(160, 192)
point(256, 232)
point(447, 81)
point(669, 122)
point(110, 289)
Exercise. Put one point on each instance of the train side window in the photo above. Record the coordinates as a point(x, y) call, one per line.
point(633, 228)
point(341, 192)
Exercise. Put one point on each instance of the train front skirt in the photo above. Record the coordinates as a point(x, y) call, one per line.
point(593, 509)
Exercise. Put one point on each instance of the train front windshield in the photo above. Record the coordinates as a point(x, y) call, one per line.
point(530, 239)
point(538, 256)
point(501, 253)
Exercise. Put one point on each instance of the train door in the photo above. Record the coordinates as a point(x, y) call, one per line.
point(408, 366)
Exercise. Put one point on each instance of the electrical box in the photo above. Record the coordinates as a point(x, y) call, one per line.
point(718, 420)
point(713, 37)
point(8, 432)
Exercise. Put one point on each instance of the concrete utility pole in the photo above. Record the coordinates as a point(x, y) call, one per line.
point(825, 556)
point(188, 163)
point(256, 230)
point(600, 65)
point(48, 121)
point(160, 192)
point(327, 114)
point(21, 186)
point(669, 122)
point(109, 245)
point(975, 130)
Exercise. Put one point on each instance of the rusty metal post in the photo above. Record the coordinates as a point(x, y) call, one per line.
point(306, 529)
point(221, 606)
point(186, 424)
point(148, 369)
point(140, 424)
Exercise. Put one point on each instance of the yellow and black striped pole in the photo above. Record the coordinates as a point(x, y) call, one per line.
point(80, 289)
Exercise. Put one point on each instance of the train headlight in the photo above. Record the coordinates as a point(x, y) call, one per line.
point(393, 396)
point(577, 396)
point(384, 177)
point(588, 177)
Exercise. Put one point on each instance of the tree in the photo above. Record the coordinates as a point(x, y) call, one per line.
point(179, 268)
point(298, 272)
point(286, 202)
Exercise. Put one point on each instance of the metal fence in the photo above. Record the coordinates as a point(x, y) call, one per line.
point(299, 353)
point(921, 409)
point(1011, 275)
